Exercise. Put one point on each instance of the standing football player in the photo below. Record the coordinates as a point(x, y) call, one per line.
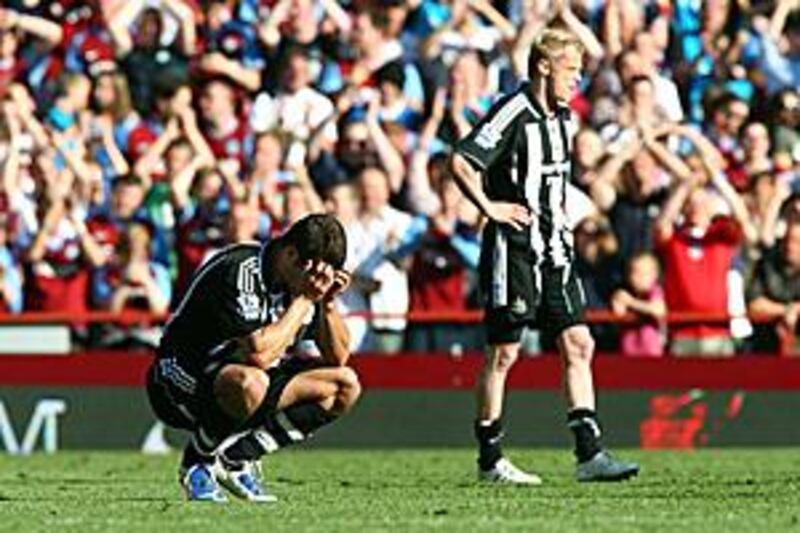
point(221, 371)
point(515, 166)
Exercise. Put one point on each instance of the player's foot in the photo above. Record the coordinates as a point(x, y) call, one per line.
point(505, 472)
point(605, 467)
point(245, 482)
point(200, 485)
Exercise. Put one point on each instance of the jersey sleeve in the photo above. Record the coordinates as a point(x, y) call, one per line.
point(492, 137)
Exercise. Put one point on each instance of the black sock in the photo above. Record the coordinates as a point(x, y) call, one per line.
point(308, 417)
point(586, 429)
point(277, 430)
point(244, 450)
point(489, 435)
point(192, 455)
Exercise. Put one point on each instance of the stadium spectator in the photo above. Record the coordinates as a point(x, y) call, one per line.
point(18, 57)
point(444, 247)
point(242, 224)
point(10, 270)
point(297, 109)
point(775, 289)
point(632, 185)
point(173, 92)
point(227, 133)
point(132, 280)
point(386, 228)
point(642, 297)
point(698, 254)
point(151, 66)
point(376, 47)
point(344, 202)
point(57, 277)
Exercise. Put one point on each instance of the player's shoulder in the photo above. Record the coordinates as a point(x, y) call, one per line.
point(237, 252)
point(229, 259)
point(513, 105)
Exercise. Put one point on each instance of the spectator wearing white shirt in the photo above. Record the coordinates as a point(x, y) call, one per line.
point(385, 227)
point(298, 109)
point(343, 202)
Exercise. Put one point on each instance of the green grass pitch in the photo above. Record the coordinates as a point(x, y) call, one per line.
point(354, 491)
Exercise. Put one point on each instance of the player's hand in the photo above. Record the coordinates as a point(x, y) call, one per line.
point(341, 282)
point(318, 280)
point(515, 215)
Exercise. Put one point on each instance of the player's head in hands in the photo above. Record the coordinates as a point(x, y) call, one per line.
point(311, 240)
point(554, 66)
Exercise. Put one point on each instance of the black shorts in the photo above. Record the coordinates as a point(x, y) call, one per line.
point(518, 294)
point(185, 399)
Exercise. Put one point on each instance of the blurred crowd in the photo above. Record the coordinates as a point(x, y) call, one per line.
point(139, 136)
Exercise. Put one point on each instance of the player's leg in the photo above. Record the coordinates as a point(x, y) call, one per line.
point(301, 398)
point(508, 286)
point(185, 401)
point(563, 299)
point(230, 396)
point(307, 399)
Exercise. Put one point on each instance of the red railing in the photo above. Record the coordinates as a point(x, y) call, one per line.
point(426, 317)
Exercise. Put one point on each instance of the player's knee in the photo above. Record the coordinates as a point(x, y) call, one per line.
point(349, 387)
point(503, 357)
point(241, 391)
point(254, 389)
point(578, 345)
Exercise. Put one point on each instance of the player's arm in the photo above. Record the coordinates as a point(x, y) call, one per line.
point(332, 336)
point(487, 144)
point(265, 345)
point(469, 181)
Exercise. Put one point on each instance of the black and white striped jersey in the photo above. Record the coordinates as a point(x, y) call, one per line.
point(525, 156)
point(228, 297)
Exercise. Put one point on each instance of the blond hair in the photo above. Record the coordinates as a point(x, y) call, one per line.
point(550, 44)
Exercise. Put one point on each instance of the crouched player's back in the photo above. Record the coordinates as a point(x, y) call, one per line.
point(225, 300)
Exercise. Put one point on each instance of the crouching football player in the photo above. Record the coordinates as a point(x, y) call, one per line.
point(227, 370)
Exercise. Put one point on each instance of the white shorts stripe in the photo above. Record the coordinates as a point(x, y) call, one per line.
point(500, 271)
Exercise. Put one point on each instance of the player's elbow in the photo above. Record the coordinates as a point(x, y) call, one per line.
point(456, 164)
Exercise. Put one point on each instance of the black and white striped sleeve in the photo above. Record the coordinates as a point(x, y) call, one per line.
point(492, 137)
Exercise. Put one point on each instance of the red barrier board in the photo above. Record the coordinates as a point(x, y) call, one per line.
point(429, 371)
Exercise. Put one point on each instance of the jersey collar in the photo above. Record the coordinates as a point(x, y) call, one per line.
point(561, 111)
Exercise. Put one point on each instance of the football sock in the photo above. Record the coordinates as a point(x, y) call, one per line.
point(586, 430)
point(308, 417)
point(194, 454)
point(243, 450)
point(284, 428)
point(489, 434)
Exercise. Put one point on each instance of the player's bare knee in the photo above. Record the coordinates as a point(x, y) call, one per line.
point(349, 388)
point(241, 391)
point(578, 345)
point(254, 389)
point(503, 357)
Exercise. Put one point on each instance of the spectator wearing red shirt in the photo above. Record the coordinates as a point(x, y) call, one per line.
point(202, 204)
point(133, 281)
point(13, 28)
point(698, 253)
point(228, 134)
point(444, 248)
point(59, 261)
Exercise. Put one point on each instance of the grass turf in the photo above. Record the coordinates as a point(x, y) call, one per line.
point(730, 490)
